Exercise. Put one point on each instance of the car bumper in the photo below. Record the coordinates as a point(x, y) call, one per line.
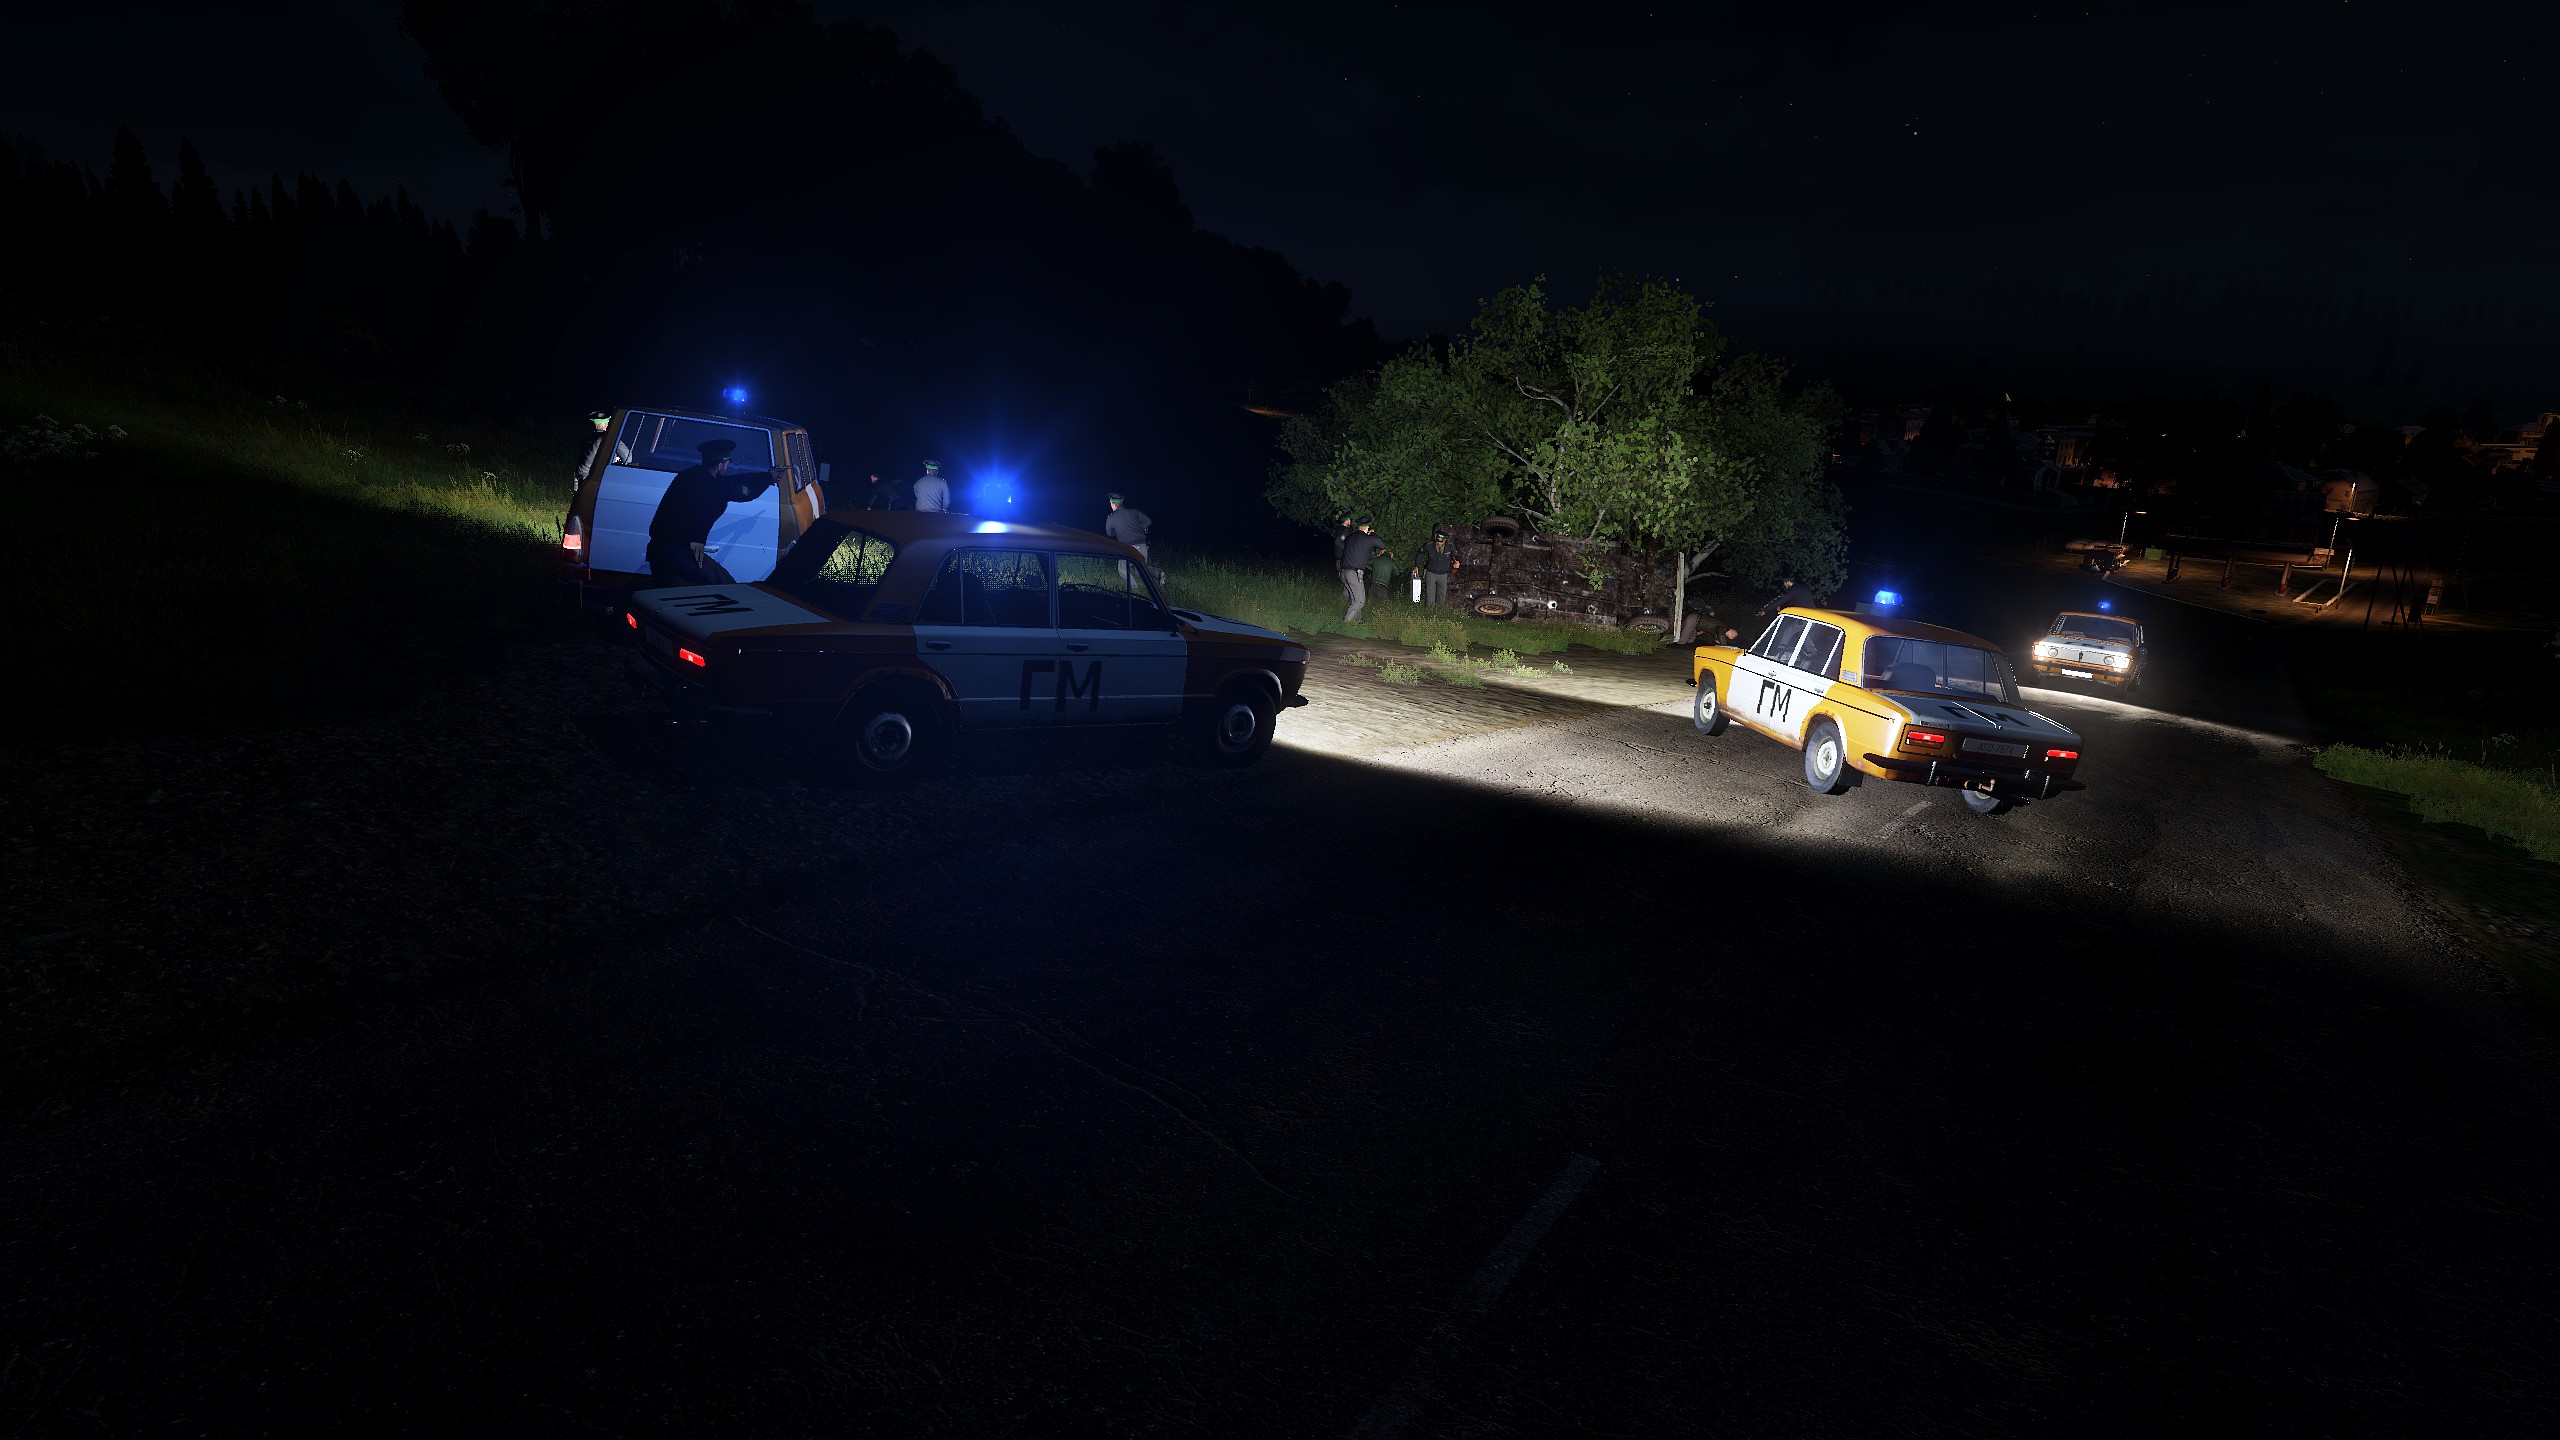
point(1962, 775)
point(683, 696)
point(2098, 674)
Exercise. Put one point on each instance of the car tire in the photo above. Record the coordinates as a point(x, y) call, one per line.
point(1706, 710)
point(1492, 607)
point(886, 735)
point(1826, 759)
point(1238, 727)
point(1985, 804)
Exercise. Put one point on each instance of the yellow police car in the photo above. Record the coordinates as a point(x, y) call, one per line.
point(1888, 698)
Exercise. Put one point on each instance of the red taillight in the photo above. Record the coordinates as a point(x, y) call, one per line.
point(690, 658)
point(573, 537)
point(1923, 737)
point(630, 619)
point(2062, 754)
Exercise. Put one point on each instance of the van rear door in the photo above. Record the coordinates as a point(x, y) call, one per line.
point(648, 452)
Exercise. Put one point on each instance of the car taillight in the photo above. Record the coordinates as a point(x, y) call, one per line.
point(1923, 737)
point(690, 658)
point(2062, 754)
point(630, 619)
point(573, 537)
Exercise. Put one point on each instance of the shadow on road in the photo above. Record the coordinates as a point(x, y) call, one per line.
point(1191, 1104)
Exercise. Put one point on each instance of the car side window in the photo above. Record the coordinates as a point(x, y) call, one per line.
point(1779, 641)
point(1098, 592)
point(1007, 589)
point(1820, 651)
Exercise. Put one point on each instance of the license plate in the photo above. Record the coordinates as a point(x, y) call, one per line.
point(1996, 747)
point(2079, 674)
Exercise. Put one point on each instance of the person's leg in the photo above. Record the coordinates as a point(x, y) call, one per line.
point(1356, 585)
point(1435, 589)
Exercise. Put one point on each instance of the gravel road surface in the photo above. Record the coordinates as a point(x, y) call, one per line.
point(1552, 1071)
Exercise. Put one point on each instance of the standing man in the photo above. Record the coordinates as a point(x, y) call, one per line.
point(1128, 525)
point(931, 490)
point(693, 500)
point(1342, 533)
point(597, 421)
point(1785, 597)
point(890, 495)
point(1361, 547)
point(1439, 561)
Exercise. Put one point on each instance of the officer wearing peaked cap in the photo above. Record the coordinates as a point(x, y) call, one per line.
point(694, 499)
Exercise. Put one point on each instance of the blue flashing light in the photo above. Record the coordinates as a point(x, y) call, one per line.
point(990, 527)
point(735, 394)
point(2106, 604)
point(1888, 597)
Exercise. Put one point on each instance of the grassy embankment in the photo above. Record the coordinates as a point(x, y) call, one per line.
point(2458, 770)
point(213, 559)
point(1282, 598)
point(2463, 723)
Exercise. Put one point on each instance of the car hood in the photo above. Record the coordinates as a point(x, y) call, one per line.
point(1983, 717)
point(1220, 625)
point(699, 612)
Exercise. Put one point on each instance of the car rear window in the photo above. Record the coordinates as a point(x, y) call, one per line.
point(1003, 589)
point(848, 575)
point(1934, 667)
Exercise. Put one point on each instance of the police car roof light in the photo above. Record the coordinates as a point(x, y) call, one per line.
point(1888, 597)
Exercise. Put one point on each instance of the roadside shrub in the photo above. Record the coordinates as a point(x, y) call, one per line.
point(1464, 678)
point(1398, 673)
point(2511, 806)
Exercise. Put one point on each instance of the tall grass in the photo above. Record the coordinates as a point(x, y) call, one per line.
point(2505, 803)
point(1288, 598)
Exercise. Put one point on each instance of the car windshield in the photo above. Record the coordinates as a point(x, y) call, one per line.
point(1934, 667)
point(835, 567)
point(674, 442)
point(2095, 627)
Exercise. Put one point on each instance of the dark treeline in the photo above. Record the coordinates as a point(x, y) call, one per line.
point(715, 194)
point(303, 278)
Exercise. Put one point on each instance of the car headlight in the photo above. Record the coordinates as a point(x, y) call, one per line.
point(2046, 650)
point(2121, 662)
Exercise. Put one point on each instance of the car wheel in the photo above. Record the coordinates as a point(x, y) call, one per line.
point(1826, 759)
point(886, 736)
point(1705, 710)
point(1238, 727)
point(1981, 803)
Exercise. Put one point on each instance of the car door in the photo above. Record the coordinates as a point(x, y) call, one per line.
point(988, 627)
point(1760, 698)
point(1122, 660)
point(648, 452)
point(1808, 675)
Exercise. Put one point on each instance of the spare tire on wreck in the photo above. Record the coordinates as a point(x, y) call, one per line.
point(1500, 527)
point(1650, 624)
point(1491, 607)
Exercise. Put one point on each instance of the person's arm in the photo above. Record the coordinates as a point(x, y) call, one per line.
point(748, 485)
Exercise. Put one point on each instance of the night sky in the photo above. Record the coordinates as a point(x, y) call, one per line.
point(2357, 196)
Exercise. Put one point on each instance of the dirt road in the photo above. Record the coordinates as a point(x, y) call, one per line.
point(1567, 1074)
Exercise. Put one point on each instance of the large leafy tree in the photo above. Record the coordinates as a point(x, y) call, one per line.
point(1622, 420)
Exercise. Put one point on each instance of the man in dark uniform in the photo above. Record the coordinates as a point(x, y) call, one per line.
point(1129, 525)
point(597, 421)
point(891, 495)
point(1439, 561)
point(1362, 547)
point(1342, 533)
point(693, 500)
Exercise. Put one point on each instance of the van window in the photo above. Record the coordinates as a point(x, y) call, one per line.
point(674, 442)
